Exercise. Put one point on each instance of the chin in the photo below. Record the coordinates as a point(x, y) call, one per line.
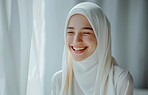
point(79, 58)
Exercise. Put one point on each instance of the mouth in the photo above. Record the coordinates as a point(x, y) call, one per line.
point(79, 50)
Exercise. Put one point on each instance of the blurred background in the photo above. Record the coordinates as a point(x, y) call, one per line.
point(32, 39)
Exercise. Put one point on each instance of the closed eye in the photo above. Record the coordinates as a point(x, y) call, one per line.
point(70, 32)
point(86, 32)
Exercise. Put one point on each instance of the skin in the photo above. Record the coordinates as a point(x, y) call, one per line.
point(80, 34)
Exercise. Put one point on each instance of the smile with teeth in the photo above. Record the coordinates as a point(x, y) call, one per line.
point(79, 50)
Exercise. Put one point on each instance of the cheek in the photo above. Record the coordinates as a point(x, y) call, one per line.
point(88, 39)
point(69, 40)
point(91, 40)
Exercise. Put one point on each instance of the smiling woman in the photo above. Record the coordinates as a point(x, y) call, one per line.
point(88, 67)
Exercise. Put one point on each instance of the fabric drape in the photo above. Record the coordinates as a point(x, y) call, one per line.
point(21, 47)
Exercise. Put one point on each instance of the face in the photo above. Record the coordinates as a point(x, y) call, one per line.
point(80, 37)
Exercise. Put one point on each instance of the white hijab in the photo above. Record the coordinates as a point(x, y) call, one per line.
point(94, 75)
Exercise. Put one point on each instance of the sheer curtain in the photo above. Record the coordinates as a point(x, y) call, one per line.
point(21, 47)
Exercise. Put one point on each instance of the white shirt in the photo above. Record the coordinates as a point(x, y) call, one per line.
point(122, 80)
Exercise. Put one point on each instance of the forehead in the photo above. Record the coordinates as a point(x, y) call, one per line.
point(78, 19)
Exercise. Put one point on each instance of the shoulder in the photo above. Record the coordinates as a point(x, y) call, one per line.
point(56, 83)
point(120, 73)
point(123, 80)
point(57, 75)
point(57, 79)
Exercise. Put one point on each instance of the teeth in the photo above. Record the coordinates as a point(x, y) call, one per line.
point(79, 48)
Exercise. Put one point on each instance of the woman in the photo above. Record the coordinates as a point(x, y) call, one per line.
point(88, 67)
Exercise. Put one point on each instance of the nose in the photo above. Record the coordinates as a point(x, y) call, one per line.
point(78, 38)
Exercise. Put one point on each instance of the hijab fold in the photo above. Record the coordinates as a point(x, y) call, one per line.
point(94, 74)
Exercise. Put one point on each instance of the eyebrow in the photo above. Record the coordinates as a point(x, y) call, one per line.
point(89, 28)
point(70, 27)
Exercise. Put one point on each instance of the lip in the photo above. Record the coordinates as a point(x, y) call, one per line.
point(79, 52)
